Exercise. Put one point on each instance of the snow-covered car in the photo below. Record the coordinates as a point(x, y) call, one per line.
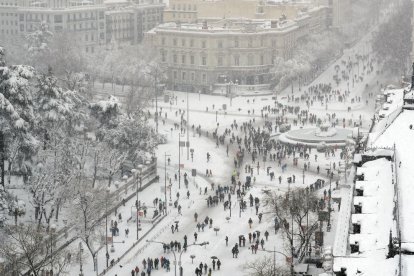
point(284, 127)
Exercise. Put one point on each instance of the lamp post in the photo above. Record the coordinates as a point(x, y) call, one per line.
point(165, 180)
point(303, 176)
point(181, 253)
point(291, 241)
point(230, 203)
point(156, 102)
point(106, 227)
point(179, 160)
point(241, 206)
point(138, 178)
point(80, 259)
point(188, 124)
point(329, 198)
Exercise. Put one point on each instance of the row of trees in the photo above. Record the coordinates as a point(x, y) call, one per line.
point(311, 55)
point(392, 42)
point(316, 50)
point(297, 214)
point(67, 147)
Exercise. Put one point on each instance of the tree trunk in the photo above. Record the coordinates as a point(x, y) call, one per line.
point(2, 158)
point(9, 171)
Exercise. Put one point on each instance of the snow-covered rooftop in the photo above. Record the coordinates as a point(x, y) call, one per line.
point(376, 220)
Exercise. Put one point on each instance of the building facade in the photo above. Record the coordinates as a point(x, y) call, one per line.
point(126, 22)
point(83, 21)
point(91, 24)
point(192, 11)
point(204, 56)
point(341, 12)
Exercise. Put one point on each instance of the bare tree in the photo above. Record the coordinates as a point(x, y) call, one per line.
point(26, 250)
point(296, 211)
point(88, 208)
point(265, 267)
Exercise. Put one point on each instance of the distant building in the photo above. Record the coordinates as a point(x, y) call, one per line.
point(84, 20)
point(126, 22)
point(91, 23)
point(205, 56)
point(192, 11)
point(340, 11)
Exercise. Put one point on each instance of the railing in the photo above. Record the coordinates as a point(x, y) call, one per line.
point(133, 245)
point(148, 176)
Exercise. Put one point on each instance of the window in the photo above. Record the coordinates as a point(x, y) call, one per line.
point(236, 43)
point(192, 60)
point(175, 75)
point(192, 43)
point(183, 76)
point(250, 59)
point(261, 59)
point(204, 61)
point(220, 44)
point(86, 37)
point(183, 59)
point(101, 15)
point(192, 76)
point(163, 56)
point(203, 44)
point(175, 58)
point(58, 18)
point(220, 61)
point(236, 60)
point(175, 42)
point(250, 42)
point(183, 42)
point(204, 78)
point(163, 41)
point(261, 42)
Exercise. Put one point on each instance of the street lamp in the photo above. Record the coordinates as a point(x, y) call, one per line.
point(175, 257)
point(80, 258)
point(179, 160)
point(241, 206)
point(106, 227)
point(230, 203)
point(165, 180)
point(138, 180)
